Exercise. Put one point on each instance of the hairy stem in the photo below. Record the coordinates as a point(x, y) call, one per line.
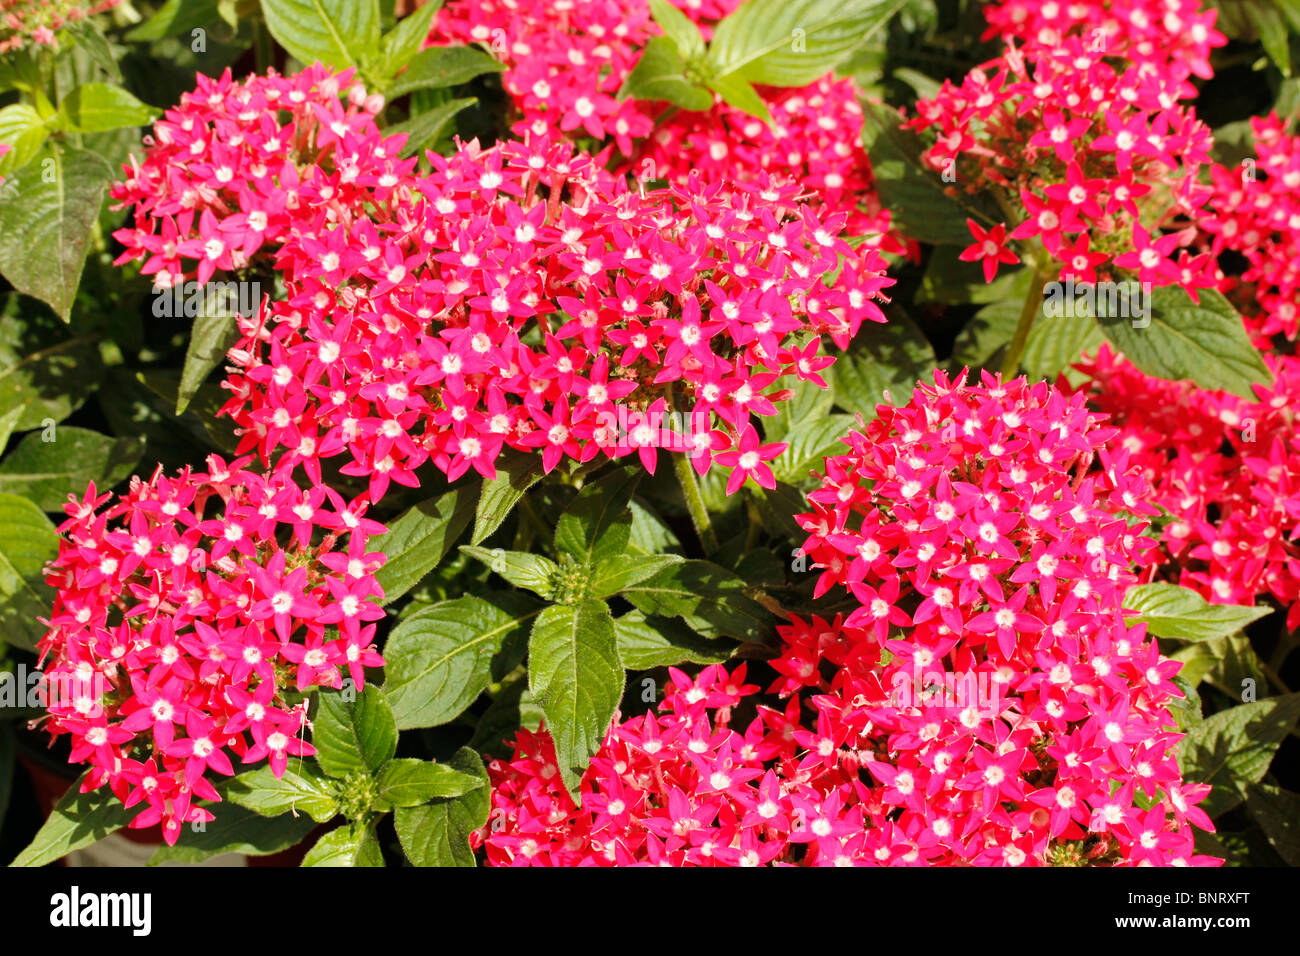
point(1033, 299)
point(695, 503)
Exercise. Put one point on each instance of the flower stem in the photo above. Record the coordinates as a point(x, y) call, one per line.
point(1033, 299)
point(695, 503)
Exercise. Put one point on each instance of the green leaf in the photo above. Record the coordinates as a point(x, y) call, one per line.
point(532, 571)
point(516, 473)
point(174, 18)
point(236, 830)
point(925, 87)
point(425, 128)
point(575, 674)
point(793, 42)
point(338, 33)
point(1273, 34)
point(52, 206)
point(1187, 709)
point(1277, 812)
point(353, 844)
point(611, 575)
point(442, 66)
point(212, 334)
point(645, 642)
point(512, 708)
point(437, 833)
point(77, 820)
point(27, 541)
point(888, 358)
point(597, 525)
point(710, 599)
point(409, 782)
point(1232, 749)
point(660, 74)
point(355, 737)
point(404, 41)
point(649, 533)
point(809, 445)
point(780, 505)
point(1227, 662)
point(916, 196)
point(739, 93)
point(982, 343)
point(200, 418)
point(47, 472)
point(23, 129)
point(1206, 343)
point(420, 537)
point(809, 403)
point(93, 107)
point(678, 27)
point(1169, 610)
point(8, 420)
point(48, 383)
point(1056, 342)
point(439, 659)
point(302, 789)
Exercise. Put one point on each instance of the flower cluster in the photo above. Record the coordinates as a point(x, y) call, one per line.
point(521, 296)
point(1097, 162)
point(1162, 36)
point(1255, 212)
point(986, 703)
point(190, 614)
point(985, 534)
point(1222, 469)
point(236, 167)
point(676, 788)
point(565, 63)
point(815, 138)
point(564, 67)
point(37, 21)
point(4, 148)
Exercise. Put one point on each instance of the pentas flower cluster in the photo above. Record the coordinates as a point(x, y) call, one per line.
point(1097, 161)
point(566, 62)
point(236, 167)
point(189, 613)
point(1255, 211)
point(522, 297)
point(1224, 472)
point(988, 535)
point(4, 148)
point(1163, 36)
point(674, 788)
point(564, 66)
point(815, 139)
point(24, 22)
point(986, 703)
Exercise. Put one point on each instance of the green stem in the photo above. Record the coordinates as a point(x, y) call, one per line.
point(1276, 678)
point(695, 502)
point(1033, 299)
point(263, 54)
point(1285, 645)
